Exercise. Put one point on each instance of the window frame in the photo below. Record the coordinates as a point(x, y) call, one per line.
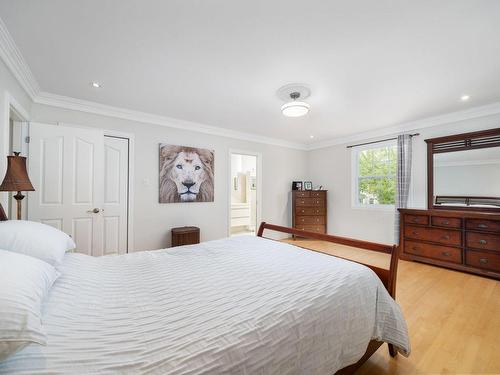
point(355, 152)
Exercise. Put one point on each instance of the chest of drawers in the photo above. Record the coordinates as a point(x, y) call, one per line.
point(466, 241)
point(309, 210)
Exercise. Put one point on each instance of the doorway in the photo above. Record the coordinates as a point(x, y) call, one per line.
point(244, 209)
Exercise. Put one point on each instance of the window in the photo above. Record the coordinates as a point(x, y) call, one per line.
point(374, 175)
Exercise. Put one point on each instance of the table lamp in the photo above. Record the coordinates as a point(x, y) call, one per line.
point(16, 179)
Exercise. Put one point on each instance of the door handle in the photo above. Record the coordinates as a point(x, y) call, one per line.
point(95, 210)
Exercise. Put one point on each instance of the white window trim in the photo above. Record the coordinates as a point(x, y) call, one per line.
point(354, 178)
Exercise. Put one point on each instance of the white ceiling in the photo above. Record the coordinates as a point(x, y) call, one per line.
point(369, 64)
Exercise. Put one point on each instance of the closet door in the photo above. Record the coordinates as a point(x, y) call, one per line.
point(116, 153)
point(66, 169)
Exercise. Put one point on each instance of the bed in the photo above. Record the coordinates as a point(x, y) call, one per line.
point(243, 305)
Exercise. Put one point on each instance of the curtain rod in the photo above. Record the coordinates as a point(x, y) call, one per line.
point(382, 140)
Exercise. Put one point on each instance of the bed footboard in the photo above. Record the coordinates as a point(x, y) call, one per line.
point(388, 277)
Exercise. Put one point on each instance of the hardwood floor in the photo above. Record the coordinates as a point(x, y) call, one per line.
point(453, 317)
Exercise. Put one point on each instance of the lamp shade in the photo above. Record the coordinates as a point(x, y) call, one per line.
point(16, 178)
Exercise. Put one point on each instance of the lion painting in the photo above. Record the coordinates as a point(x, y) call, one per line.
point(186, 174)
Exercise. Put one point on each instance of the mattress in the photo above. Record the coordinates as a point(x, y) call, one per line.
point(243, 305)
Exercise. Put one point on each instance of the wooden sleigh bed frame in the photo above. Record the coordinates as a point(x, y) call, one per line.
point(388, 277)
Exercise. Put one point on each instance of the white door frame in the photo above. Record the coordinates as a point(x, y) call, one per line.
point(23, 114)
point(131, 158)
point(258, 155)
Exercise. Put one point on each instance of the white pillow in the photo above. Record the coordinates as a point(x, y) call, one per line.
point(35, 239)
point(24, 283)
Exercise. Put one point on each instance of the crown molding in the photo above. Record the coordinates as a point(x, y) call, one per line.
point(14, 60)
point(429, 122)
point(66, 102)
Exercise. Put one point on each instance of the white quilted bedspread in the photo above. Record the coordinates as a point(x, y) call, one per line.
point(244, 305)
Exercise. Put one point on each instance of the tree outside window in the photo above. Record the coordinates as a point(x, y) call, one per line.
point(376, 169)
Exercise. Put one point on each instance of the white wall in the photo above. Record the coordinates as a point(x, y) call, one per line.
point(153, 221)
point(331, 167)
point(10, 91)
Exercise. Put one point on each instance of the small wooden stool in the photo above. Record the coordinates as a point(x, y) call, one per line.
point(185, 236)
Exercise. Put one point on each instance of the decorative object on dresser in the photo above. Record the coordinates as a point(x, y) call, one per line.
point(309, 211)
point(461, 227)
point(185, 236)
point(297, 185)
point(462, 240)
point(16, 179)
point(308, 185)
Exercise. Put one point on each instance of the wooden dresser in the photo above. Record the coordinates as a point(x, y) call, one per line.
point(463, 240)
point(309, 210)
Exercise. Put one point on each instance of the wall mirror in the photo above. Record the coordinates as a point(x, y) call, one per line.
point(464, 171)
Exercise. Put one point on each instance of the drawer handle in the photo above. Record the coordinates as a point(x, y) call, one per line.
point(302, 219)
point(446, 222)
point(317, 201)
point(415, 233)
point(446, 254)
point(446, 238)
point(303, 211)
point(483, 226)
point(483, 260)
point(414, 248)
point(317, 211)
point(483, 242)
point(301, 201)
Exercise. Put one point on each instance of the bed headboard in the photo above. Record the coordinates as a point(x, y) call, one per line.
point(3, 216)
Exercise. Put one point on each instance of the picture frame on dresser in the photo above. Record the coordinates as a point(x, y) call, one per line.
point(460, 229)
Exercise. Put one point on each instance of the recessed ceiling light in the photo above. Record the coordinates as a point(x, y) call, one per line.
point(464, 98)
point(96, 85)
point(311, 136)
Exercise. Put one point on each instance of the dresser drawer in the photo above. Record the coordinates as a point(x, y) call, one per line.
point(447, 222)
point(312, 228)
point(318, 194)
point(299, 211)
point(483, 241)
point(417, 219)
point(483, 260)
point(448, 254)
point(310, 202)
point(302, 194)
point(318, 220)
point(486, 225)
point(443, 236)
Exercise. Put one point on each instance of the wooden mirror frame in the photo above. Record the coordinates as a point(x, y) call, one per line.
point(458, 142)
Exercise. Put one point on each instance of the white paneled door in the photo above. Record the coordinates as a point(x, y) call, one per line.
point(70, 171)
point(116, 152)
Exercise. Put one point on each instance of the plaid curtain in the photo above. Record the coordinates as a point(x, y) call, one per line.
point(403, 178)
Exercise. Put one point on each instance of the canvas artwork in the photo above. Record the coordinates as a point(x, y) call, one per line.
point(186, 174)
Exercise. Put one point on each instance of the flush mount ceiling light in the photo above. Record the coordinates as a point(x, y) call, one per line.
point(295, 107)
point(95, 85)
point(464, 98)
